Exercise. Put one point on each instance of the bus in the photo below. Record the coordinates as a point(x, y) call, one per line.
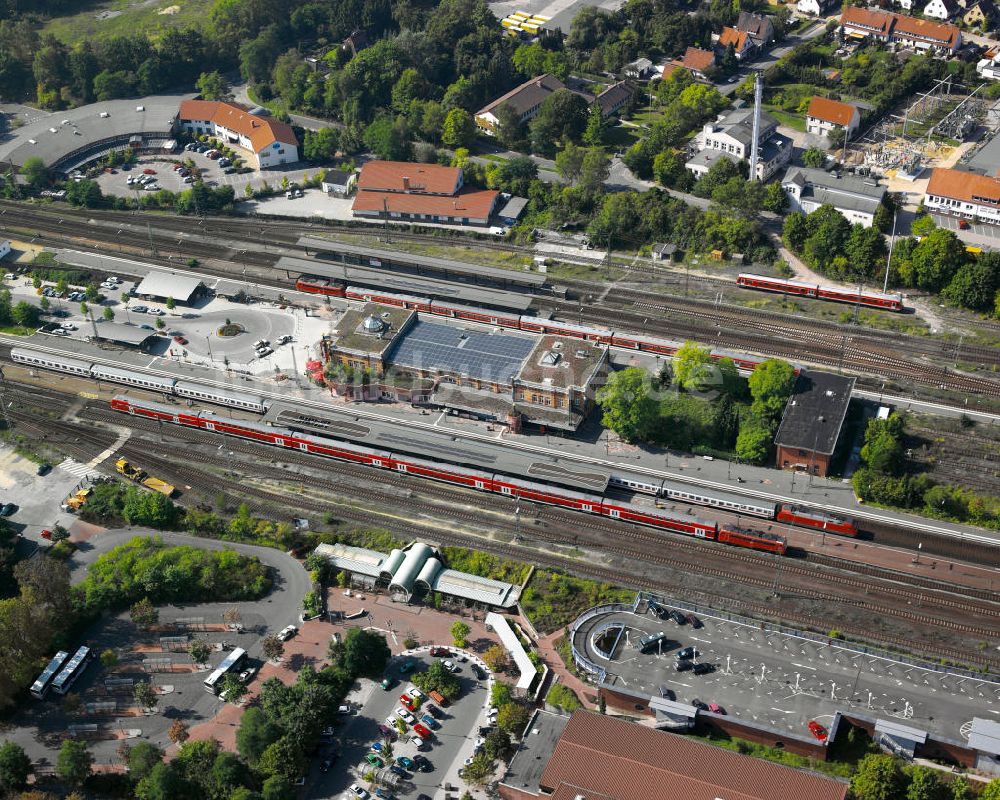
point(74, 669)
point(40, 688)
point(651, 642)
point(233, 662)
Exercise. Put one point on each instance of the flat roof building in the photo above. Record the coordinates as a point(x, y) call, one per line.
point(414, 571)
point(810, 427)
point(485, 372)
point(123, 334)
point(856, 198)
point(598, 757)
point(170, 285)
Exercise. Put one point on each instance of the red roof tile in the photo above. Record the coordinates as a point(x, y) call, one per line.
point(731, 36)
point(831, 111)
point(612, 758)
point(261, 131)
point(407, 176)
point(697, 59)
point(877, 21)
point(965, 186)
point(472, 203)
point(938, 32)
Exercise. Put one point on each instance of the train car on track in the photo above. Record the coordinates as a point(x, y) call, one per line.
point(752, 538)
point(481, 480)
point(810, 518)
point(889, 302)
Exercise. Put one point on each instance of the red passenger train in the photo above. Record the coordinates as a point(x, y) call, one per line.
point(889, 302)
point(485, 481)
point(315, 284)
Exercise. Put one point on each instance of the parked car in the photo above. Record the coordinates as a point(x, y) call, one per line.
point(387, 732)
point(180, 340)
point(422, 731)
point(678, 617)
point(703, 668)
point(430, 722)
point(701, 706)
point(7, 510)
point(46, 534)
point(715, 708)
point(325, 766)
point(422, 763)
point(287, 633)
point(377, 747)
point(694, 621)
point(817, 730)
point(440, 652)
point(357, 791)
point(407, 666)
point(405, 762)
point(479, 672)
point(386, 684)
point(404, 715)
point(407, 702)
point(139, 309)
point(434, 710)
point(416, 694)
point(687, 652)
point(156, 312)
point(448, 665)
point(667, 693)
point(683, 665)
point(43, 469)
point(248, 674)
point(395, 769)
point(374, 760)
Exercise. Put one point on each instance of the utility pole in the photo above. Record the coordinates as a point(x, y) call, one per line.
point(758, 99)
point(892, 241)
point(7, 423)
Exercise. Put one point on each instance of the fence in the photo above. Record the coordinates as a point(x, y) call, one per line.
point(118, 685)
point(579, 658)
point(173, 644)
point(88, 729)
point(157, 664)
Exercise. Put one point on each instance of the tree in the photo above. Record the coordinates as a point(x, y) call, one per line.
point(753, 444)
point(975, 285)
point(254, 735)
point(627, 402)
point(142, 757)
point(459, 129)
point(164, 782)
point(15, 767)
point(109, 314)
point(593, 134)
point(74, 762)
point(84, 308)
point(228, 773)
point(512, 717)
point(35, 171)
point(594, 170)
point(144, 613)
point(561, 118)
point(160, 324)
point(25, 314)
point(145, 696)
point(878, 777)
point(438, 679)
point(320, 145)
point(936, 259)
point(109, 658)
point(199, 651)
point(960, 790)
point(569, 162)
point(814, 157)
point(771, 384)
point(387, 138)
point(561, 696)
point(497, 744)
point(495, 658)
point(273, 648)
point(233, 689)
point(178, 732)
point(924, 784)
point(509, 130)
point(991, 791)
point(86, 193)
point(692, 366)
point(214, 86)
point(479, 770)
point(365, 653)
point(459, 633)
point(277, 788)
point(775, 199)
point(283, 757)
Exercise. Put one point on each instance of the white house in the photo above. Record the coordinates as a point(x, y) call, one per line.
point(856, 198)
point(825, 116)
point(941, 9)
point(731, 136)
point(963, 194)
point(816, 8)
point(4, 248)
point(339, 182)
point(265, 142)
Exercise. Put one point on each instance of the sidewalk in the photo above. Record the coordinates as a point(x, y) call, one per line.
point(547, 650)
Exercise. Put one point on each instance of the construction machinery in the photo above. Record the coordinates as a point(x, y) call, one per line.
point(140, 476)
point(76, 500)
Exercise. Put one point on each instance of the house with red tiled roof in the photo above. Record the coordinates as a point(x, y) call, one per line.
point(403, 191)
point(600, 757)
point(825, 116)
point(882, 26)
point(265, 142)
point(963, 194)
point(741, 42)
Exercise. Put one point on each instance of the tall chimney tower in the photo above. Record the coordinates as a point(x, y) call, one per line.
point(758, 99)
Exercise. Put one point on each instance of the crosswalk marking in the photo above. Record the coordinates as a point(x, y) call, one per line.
point(74, 467)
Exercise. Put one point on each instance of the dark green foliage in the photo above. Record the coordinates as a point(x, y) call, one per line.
point(73, 762)
point(438, 679)
point(15, 767)
point(145, 566)
point(142, 757)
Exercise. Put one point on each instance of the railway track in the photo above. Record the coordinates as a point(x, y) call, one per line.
point(174, 462)
point(767, 333)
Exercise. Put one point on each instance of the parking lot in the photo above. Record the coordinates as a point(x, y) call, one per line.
point(445, 751)
point(783, 681)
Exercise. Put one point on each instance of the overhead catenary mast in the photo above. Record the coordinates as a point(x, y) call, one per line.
point(758, 97)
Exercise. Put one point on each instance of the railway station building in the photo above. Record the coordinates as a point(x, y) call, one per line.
point(390, 353)
point(182, 289)
point(812, 422)
point(415, 572)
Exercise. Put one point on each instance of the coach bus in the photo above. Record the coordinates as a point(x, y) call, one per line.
point(40, 687)
point(233, 662)
point(74, 669)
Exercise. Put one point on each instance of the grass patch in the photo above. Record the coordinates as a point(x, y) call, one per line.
point(562, 269)
point(795, 121)
point(457, 251)
point(837, 769)
point(621, 137)
point(125, 17)
point(17, 330)
point(476, 562)
point(554, 599)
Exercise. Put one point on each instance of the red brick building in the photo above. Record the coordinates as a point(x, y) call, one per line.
point(810, 427)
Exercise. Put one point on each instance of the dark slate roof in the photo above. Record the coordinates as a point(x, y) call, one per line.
point(815, 412)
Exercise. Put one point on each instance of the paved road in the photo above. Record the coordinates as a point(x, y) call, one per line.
point(772, 56)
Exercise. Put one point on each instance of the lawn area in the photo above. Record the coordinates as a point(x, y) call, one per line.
point(457, 251)
point(125, 17)
point(621, 137)
point(646, 116)
point(795, 121)
point(554, 599)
